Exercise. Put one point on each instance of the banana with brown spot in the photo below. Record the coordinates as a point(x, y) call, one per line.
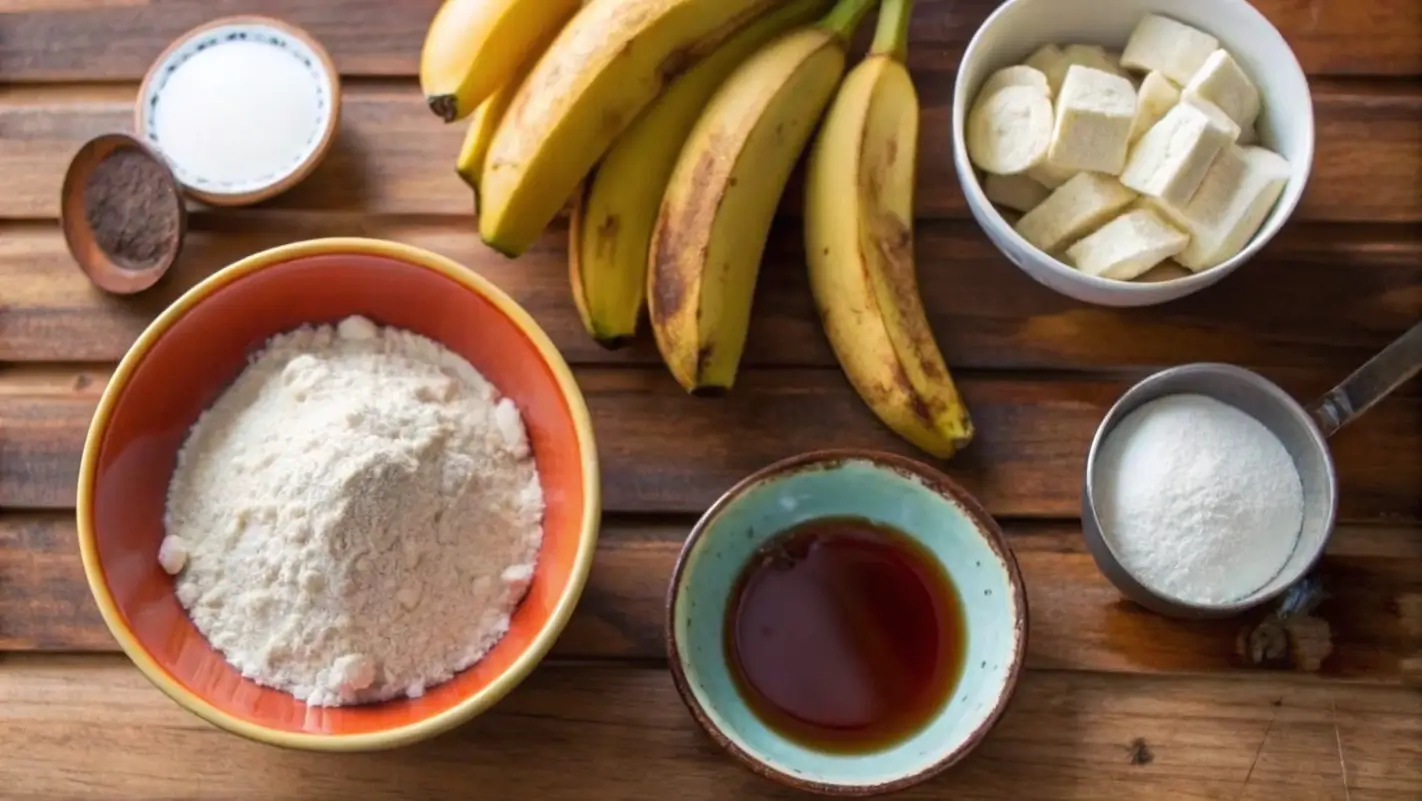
point(859, 243)
point(611, 229)
point(711, 231)
point(610, 62)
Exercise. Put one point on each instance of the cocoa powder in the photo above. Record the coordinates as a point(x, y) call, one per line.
point(132, 208)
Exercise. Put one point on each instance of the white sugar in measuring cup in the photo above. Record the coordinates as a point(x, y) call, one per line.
point(1304, 433)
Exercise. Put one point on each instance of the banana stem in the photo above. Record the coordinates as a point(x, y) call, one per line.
point(891, 35)
point(846, 15)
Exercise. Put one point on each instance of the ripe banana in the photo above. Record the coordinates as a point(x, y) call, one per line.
point(710, 233)
point(859, 242)
point(612, 218)
point(475, 46)
point(486, 118)
point(610, 62)
point(482, 124)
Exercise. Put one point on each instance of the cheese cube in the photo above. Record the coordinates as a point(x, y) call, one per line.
point(1014, 76)
point(1171, 48)
point(1216, 115)
point(1222, 82)
point(1045, 58)
point(1051, 62)
point(1127, 246)
point(1014, 191)
point(1093, 56)
point(1156, 96)
point(1165, 271)
point(1079, 207)
point(1054, 62)
point(1171, 160)
point(1232, 202)
point(1092, 131)
point(1050, 176)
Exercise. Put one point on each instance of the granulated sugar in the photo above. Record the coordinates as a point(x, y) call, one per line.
point(1199, 501)
point(356, 517)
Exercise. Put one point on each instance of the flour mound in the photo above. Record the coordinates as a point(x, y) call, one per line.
point(356, 517)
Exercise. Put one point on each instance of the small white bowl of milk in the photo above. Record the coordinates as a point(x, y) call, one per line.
point(242, 108)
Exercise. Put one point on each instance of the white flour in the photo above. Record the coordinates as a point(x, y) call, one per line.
point(356, 517)
point(1199, 500)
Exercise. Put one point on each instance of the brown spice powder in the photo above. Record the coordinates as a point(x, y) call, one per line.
point(132, 208)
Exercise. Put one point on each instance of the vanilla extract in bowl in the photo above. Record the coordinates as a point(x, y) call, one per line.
point(845, 635)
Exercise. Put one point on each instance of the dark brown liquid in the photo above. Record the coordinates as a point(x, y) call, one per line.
point(844, 635)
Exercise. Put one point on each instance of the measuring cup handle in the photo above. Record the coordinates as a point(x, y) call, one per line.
point(1370, 383)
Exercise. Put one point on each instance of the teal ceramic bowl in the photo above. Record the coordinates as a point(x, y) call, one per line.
point(886, 489)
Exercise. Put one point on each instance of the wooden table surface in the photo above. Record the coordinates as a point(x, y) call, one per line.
point(1116, 703)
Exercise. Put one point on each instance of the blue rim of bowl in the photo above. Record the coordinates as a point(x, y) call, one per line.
point(935, 481)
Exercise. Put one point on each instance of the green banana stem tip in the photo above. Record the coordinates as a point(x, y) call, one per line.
point(891, 35)
point(846, 16)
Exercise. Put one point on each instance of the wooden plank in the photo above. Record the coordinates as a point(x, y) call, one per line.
point(1026, 461)
point(622, 732)
point(987, 313)
point(392, 156)
point(104, 39)
point(1078, 621)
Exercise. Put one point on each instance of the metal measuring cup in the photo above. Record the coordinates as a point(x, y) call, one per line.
point(1304, 433)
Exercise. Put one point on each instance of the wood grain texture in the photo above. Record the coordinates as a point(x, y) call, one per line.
point(392, 156)
point(113, 39)
point(987, 314)
point(1078, 621)
point(1026, 460)
point(623, 733)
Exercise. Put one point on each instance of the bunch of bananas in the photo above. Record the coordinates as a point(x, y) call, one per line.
point(673, 127)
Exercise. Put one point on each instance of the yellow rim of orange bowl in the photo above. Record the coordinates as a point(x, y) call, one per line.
point(465, 709)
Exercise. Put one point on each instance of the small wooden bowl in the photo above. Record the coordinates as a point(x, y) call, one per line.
point(102, 270)
point(253, 27)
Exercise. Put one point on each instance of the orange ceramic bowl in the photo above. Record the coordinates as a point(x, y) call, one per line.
point(199, 344)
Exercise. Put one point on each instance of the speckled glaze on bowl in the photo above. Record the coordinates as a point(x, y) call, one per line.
point(181, 363)
point(887, 489)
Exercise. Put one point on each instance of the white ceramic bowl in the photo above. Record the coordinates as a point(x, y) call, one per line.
point(1020, 26)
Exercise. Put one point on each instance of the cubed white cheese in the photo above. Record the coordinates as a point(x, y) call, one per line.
point(1221, 81)
point(1076, 209)
point(1051, 62)
point(1054, 62)
point(1018, 75)
point(1216, 114)
point(1050, 176)
point(1172, 48)
point(1014, 191)
point(1165, 271)
point(1238, 191)
point(1156, 96)
point(1093, 56)
point(1095, 111)
point(1010, 131)
point(1127, 246)
point(1171, 160)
